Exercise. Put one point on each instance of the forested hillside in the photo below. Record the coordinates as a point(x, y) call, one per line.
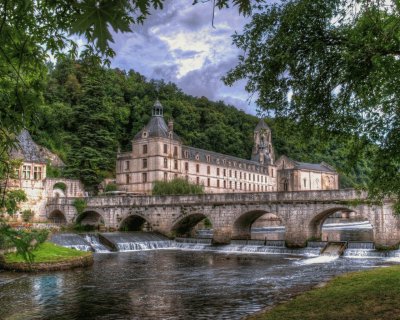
point(90, 111)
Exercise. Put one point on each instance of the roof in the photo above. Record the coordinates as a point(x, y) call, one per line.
point(261, 125)
point(156, 128)
point(313, 166)
point(27, 149)
point(202, 157)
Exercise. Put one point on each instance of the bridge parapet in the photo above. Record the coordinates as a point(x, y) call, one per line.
point(221, 198)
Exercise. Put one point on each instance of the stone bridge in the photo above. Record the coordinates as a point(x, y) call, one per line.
point(302, 213)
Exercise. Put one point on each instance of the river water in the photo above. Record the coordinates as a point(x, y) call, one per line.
point(169, 284)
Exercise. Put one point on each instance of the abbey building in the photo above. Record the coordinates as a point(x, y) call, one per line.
point(159, 154)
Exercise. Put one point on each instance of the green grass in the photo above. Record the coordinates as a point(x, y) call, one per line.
point(48, 252)
point(367, 295)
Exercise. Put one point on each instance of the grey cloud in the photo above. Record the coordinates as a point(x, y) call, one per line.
point(182, 54)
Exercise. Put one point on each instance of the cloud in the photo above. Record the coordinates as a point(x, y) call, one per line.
point(179, 44)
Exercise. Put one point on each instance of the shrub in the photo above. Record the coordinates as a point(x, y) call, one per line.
point(27, 215)
point(176, 187)
point(60, 185)
point(111, 187)
point(80, 205)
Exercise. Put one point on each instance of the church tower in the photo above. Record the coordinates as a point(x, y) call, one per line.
point(263, 151)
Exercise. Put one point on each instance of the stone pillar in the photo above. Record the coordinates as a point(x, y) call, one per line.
point(222, 235)
point(298, 228)
point(386, 226)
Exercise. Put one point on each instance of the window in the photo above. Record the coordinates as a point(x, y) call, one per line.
point(144, 163)
point(240, 174)
point(208, 182)
point(272, 173)
point(208, 170)
point(187, 166)
point(254, 177)
point(245, 187)
point(37, 173)
point(217, 183)
point(144, 177)
point(176, 164)
point(235, 174)
point(165, 176)
point(240, 186)
point(224, 162)
point(197, 157)
point(165, 163)
point(197, 180)
point(230, 173)
point(244, 176)
point(16, 173)
point(165, 148)
point(127, 163)
point(197, 168)
point(186, 153)
point(217, 161)
point(26, 172)
point(208, 158)
point(230, 184)
point(144, 148)
point(217, 171)
point(145, 134)
point(127, 179)
point(224, 172)
point(258, 178)
point(305, 183)
point(224, 184)
point(175, 151)
point(235, 185)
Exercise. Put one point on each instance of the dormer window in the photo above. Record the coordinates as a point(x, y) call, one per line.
point(208, 158)
point(217, 161)
point(186, 153)
point(197, 157)
point(144, 135)
point(170, 134)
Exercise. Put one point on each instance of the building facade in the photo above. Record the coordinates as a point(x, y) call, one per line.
point(31, 177)
point(158, 154)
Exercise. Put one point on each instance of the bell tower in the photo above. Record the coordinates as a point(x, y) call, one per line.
point(263, 151)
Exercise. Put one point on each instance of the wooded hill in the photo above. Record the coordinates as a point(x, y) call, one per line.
point(90, 111)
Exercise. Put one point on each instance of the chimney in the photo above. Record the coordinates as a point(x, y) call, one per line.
point(171, 125)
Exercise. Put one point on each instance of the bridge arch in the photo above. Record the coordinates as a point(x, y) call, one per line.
point(242, 225)
point(57, 216)
point(135, 222)
point(185, 225)
point(316, 223)
point(90, 217)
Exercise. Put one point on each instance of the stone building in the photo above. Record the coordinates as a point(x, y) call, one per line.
point(302, 176)
point(31, 177)
point(159, 154)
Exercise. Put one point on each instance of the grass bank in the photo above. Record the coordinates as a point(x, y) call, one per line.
point(48, 257)
point(367, 295)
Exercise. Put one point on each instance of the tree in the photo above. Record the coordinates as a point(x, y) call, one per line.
point(334, 65)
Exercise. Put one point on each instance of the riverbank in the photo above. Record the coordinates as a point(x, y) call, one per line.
point(48, 257)
point(367, 295)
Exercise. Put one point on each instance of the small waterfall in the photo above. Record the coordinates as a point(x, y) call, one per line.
point(360, 245)
point(94, 241)
point(269, 243)
point(263, 250)
point(194, 240)
point(135, 241)
point(71, 240)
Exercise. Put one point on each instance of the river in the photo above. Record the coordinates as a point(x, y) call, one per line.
point(169, 284)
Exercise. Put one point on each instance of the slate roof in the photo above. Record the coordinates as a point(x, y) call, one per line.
point(156, 128)
point(313, 166)
point(27, 149)
point(261, 125)
point(192, 152)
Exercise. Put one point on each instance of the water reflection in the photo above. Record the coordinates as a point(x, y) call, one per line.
point(166, 284)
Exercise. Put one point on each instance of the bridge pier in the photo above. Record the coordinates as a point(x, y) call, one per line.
point(386, 226)
point(222, 235)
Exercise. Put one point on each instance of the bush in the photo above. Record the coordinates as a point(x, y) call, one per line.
point(176, 187)
point(110, 187)
point(80, 205)
point(27, 215)
point(60, 185)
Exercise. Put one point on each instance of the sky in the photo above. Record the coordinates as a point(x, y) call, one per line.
point(180, 45)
